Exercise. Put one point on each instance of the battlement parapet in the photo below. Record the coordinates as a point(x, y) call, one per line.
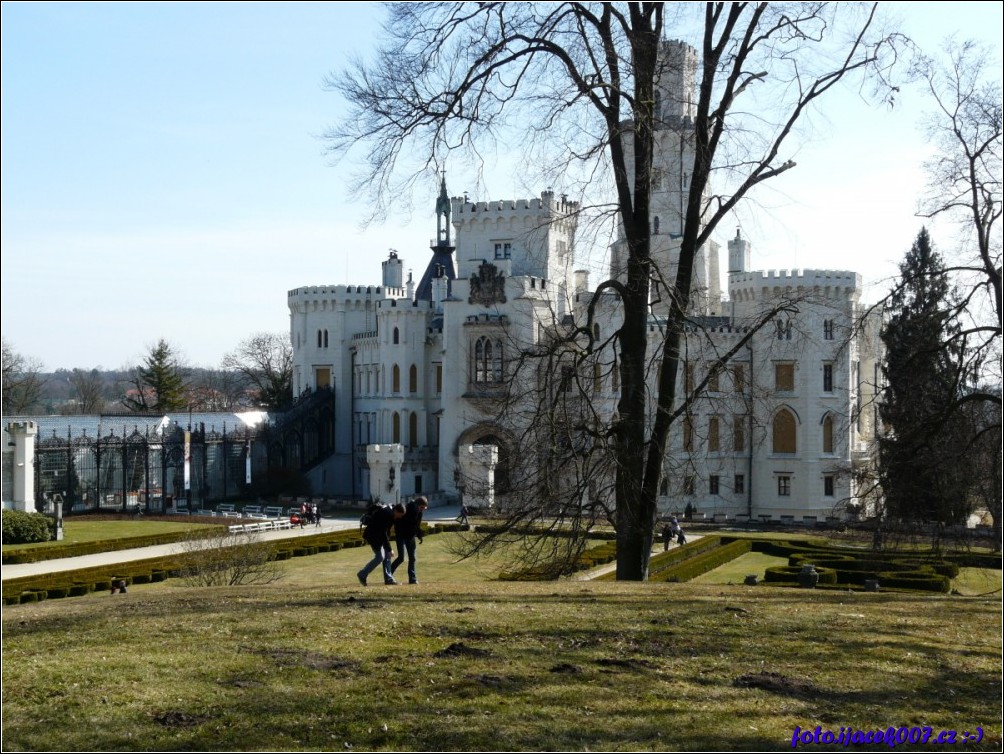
point(405, 305)
point(464, 209)
point(794, 277)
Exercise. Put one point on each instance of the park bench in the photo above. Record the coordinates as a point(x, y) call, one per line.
point(273, 511)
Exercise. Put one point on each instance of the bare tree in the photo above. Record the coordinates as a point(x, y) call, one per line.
point(451, 78)
point(89, 387)
point(22, 381)
point(224, 559)
point(265, 361)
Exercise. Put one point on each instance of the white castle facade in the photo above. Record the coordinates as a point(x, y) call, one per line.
point(420, 368)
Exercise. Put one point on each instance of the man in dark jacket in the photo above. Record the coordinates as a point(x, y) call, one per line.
point(377, 536)
point(406, 530)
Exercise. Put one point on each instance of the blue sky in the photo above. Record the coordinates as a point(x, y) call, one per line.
point(163, 175)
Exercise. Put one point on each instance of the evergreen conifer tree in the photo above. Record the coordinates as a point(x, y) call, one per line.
point(922, 474)
point(159, 385)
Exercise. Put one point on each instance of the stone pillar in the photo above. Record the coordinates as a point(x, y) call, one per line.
point(23, 434)
point(477, 469)
point(385, 463)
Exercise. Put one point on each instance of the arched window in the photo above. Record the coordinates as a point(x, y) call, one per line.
point(325, 338)
point(413, 379)
point(784, 432)
point(397, 427)
point(596, 331)
point(318, 338)
point(397, 336)
point(487, 366)
point(827, 434)
point(413, 429)
point(396, 381)
point(655, 226)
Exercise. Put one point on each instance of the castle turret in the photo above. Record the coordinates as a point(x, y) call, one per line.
point(393, 271)
point(739, 254)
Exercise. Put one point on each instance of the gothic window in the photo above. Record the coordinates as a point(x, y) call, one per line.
point(596, 331)
point(325, 338)
point(396, 381)
point(397, 336)
point(319, 334)
point(655, 226)
point(738, 378)
point(597, 378)
point(413, 379)
point(567, 379)
point(784, 377)
point(397, 427)
point(827, 378)
point(487, 365)
point(827, 329)
point(827, 434)
point(784, 432)
point(783, 329)
point(413, 429)
point(713, 440)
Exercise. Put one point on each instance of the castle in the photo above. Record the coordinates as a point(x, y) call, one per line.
point(418, 369)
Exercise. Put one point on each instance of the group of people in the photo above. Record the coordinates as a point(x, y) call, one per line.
point(672, 531)
point(308, 514)
point(406, 523)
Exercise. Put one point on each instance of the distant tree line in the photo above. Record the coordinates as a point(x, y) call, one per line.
point(256, 374)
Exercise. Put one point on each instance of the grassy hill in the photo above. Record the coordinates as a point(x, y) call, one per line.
point(459, 662)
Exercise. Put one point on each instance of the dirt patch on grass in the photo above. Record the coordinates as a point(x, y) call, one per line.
point(459, 649)
point(178, 719)
point(776, 683)
point(622, 664)
point(294, 658)
point(566, 667)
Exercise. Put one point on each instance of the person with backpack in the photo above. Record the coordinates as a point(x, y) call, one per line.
point(406, 530)
point(378, 521)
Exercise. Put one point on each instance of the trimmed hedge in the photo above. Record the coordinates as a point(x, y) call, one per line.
point(59, 550)
point(703, 562)
point(789, 575)
point(82, 581)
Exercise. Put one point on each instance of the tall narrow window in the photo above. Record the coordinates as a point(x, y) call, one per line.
point(496, 362)
point(689, 485)
point(688, 434)
point(319, 340)
point(439, 378)
point(738, 378)
point(713, 383)
point(413, 429)
point(828, 485)
point(397, 336)
point(713, 439)
point(413, 379)
point(827, 434)
point(739, 433)
point(396, 381)
point(827, 329)
point(688, 378)
point(739, 484)
point(827, 378)
point(784, 432)
point(396, 422)
point(784, 486)
point(597, 378)
point(784, 377)
point(325, 338)
point(713, 484)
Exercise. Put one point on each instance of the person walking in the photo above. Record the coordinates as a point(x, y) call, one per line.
point(667, 537)
point(315, 514)
point(407, 529)
point(462, 518)
point(377, 536)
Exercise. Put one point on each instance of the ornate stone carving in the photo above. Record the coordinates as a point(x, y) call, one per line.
point(487, 286)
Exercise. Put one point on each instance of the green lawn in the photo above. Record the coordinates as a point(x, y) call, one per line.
point(82, 530)
point(735, 571)
point(316, 662)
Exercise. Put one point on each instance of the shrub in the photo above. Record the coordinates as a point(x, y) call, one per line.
point(20, 528)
